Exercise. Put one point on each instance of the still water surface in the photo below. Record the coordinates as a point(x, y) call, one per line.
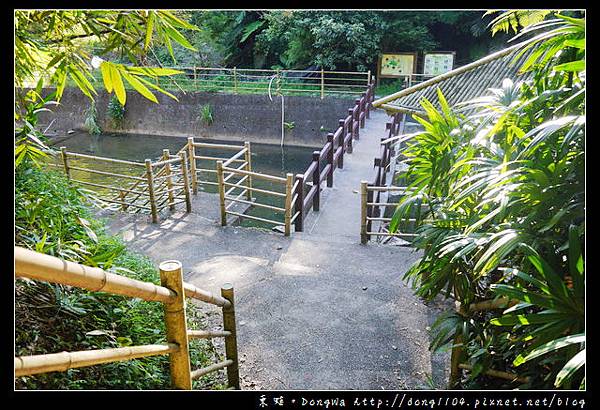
point(266, 158)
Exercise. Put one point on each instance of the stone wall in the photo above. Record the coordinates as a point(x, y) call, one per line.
point(252, 118)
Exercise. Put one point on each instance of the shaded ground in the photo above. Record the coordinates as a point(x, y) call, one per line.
point(316, 310)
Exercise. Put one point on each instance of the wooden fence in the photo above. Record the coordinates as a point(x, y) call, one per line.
point(172, 293)
point(249, 80)
point(160, 184)
point(330, 157)
point(374, 194)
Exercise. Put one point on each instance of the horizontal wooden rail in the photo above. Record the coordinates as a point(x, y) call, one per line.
point(38, 266)
point(28, 365)
point(209, 369)
point(258, 204)
point(105, 159)
point(266, 177)
point(218, 146)
point(207, 334)
point(113, 174)
point(110, 187)
point(233, 158)
point(194, 292)
point(263, 191)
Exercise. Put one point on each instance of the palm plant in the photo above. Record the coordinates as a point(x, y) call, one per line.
point(499, 181)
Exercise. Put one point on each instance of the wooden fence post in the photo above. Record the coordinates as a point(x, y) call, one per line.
point(235, 82)
point(63, 153)
point(363, 212)
point(322, 83)
point(289, 182)
point(248, 159)
point(231, 352)
point(150, 181)
point(122, 198)
point(299, 205)
point(316, 156)
point(171, 277)
point(192, 157)
point(166, 156)
point(221, 184)
point(341, 144)
point(363, 102)
point(186, 181)
point(330, 160)
point(351, 123)
point(369, 212)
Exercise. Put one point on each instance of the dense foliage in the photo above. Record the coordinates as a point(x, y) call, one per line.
point(342, 40)
point(499, 196)
point(51, 217)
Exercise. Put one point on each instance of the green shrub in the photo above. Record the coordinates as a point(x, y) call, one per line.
point(115, 111)
point(51, 217)
point(206, 114)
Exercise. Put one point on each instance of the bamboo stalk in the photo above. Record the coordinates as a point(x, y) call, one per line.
point(169, 180)
point(105, 159)
point(114, 188)
point(38, 266)
point(264, 191)
point(28, 365)
point(209, 369)
point(233, 158)
point(248, 160)
point(457, 353)
point(363, 212)
point(192, 157)
point(171, 276)
point(288, 202)
point(194, 292)
point(149, 177)
point(221, 181)
point(207, 334)
point(94, 171)
point(186, 181)
point(255, 174)
point(498, 373)
point(63, 152)
point(231, 352)
point(236, 186)
point(217, 146)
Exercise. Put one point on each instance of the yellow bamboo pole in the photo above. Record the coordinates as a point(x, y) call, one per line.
point(60, 362)
point(363, 212)
point(192, 157)
point(288, 202)
point(186, 181)
point(63, 152)
point(220, 181)
point(171, 276)
point(456, 356)
point(151, 198)
point(231, 352)
point(248, 158)
point(322, 83)
point(169, 180)
point(38, 266)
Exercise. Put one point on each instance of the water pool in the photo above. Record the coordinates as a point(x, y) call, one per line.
point(266, 158)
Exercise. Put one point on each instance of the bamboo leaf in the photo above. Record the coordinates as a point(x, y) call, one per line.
point(117, 82)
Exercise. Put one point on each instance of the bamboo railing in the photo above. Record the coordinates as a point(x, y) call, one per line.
point(373, 195)
point(457, 358)
point(158, 185)
point(286, 82)
point(171, 293)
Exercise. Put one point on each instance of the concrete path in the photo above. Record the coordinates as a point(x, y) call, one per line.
point(316, 310)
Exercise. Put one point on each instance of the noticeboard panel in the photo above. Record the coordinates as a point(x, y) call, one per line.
point(438, 63)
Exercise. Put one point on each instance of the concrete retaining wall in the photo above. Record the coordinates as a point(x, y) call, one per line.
point(236, 117)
